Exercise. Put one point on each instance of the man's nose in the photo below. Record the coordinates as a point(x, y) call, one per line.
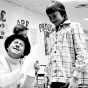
point(17, 46)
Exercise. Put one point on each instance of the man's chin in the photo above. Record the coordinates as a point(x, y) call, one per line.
point(15, 55)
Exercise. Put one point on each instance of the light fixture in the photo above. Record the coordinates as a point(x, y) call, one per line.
point(82, 5)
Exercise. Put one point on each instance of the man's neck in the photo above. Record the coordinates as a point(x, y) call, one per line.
point(12, 60)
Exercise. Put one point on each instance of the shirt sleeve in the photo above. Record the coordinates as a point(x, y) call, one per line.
point(80, 45)
point(8, 78)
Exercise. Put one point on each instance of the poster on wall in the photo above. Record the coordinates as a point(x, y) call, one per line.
point(47, 29)
point(2, 23)
point(23, 22)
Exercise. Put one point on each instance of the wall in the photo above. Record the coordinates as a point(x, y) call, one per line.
point(15, 12)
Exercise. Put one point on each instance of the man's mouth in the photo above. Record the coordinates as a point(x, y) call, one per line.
point(16, 48)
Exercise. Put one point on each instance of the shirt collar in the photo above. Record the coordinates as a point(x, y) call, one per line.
point(67, 22)
point(64, 24)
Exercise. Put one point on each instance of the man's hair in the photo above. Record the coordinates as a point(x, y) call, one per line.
point(57, 6)
point(19, 28)
point(25, 40)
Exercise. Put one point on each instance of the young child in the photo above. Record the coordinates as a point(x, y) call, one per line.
point(66, 45)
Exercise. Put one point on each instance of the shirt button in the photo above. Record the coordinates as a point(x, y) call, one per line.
point(54, 51)
point(56, 42)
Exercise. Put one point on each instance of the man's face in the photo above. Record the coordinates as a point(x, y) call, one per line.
point(16, 48)
point(56, 18)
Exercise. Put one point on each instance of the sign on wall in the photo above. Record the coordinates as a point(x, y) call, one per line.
point(45, 27)
point(23, 22)
point(2, 23)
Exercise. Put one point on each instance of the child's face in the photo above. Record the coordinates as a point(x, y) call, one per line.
point(16, 48)
point(56, 18)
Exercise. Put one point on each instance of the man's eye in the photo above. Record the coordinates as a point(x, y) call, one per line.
point(21, 44)
point(16, 42)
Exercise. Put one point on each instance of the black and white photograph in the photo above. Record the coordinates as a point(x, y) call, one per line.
point(43, 43)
